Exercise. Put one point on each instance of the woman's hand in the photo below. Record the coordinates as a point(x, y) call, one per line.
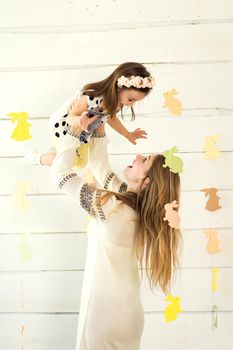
point(77, 117)
point(79, 123)
point(73, 120)
point(85, 121)
point(136, 134)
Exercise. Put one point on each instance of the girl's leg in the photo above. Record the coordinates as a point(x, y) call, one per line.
point(37, 158)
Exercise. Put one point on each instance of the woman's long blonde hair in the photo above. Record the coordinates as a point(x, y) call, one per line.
point(155, 240)
point(110, 91)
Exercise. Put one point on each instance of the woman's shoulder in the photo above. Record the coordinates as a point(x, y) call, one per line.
point(117, 207)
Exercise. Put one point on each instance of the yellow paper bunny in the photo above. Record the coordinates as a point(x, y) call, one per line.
point(172, 103)
point(172, 309)
point(211, 151)
point(21, 131)
point(21, 199)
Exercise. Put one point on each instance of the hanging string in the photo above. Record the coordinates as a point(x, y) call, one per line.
point(171, 133)
point(215, 317)
point(214, 307)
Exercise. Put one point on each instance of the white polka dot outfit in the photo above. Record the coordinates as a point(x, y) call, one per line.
point(57, 121)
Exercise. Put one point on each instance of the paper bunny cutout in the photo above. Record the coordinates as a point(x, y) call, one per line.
point(172, 215)
point(215, 272)
point(175, 163)
point(212, 246)
point(211, 151)
point(21, 132)
point(21, 199)
point(213, 201)
point(172, 309)
point(24, 249)
point(172, 103)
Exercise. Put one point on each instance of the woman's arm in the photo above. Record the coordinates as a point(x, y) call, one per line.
point(99, 163)
point(116, 124)
point(77, 108)
point(72, 184)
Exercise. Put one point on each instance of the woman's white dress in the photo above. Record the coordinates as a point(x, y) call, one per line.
point(111, 314)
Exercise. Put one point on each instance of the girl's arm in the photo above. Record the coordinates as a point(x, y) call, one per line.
point(99, 163)
point(72, 184)
point(116, 124)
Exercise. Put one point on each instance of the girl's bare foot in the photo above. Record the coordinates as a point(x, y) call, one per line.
point(36, 158)
point(47, 158)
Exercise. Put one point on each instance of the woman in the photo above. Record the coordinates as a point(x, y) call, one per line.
point(127, 227)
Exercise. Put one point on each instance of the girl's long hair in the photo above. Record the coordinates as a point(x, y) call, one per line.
point(110, 91)
point(157, 244)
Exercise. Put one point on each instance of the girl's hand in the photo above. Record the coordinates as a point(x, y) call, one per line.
point(136, 134)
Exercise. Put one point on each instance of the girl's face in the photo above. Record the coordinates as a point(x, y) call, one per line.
point(128, 97)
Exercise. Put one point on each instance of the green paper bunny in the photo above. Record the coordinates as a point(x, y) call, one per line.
point(173, 162)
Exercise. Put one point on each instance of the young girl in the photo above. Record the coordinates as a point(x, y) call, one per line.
point(127, 224)
point(128, 83)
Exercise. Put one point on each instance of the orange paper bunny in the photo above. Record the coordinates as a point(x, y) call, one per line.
point(172, 215)
point(213, 241)
point(213, 201)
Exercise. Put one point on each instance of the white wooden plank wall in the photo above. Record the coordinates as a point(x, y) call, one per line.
point(49, 49)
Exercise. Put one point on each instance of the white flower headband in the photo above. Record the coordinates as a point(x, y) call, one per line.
point(136, 81)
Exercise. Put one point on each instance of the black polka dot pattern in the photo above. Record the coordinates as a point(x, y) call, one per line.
point(61, 126)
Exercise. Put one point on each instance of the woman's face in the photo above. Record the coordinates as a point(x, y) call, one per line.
point(128, 97)
point(139, 169)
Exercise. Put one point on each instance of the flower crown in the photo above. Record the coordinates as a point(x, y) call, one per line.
point(136, 81)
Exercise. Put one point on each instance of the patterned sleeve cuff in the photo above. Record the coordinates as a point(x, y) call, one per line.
point(65, 179)
point(98, 135)
point(114, 183)
point(72, 133)
point(88, 196)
